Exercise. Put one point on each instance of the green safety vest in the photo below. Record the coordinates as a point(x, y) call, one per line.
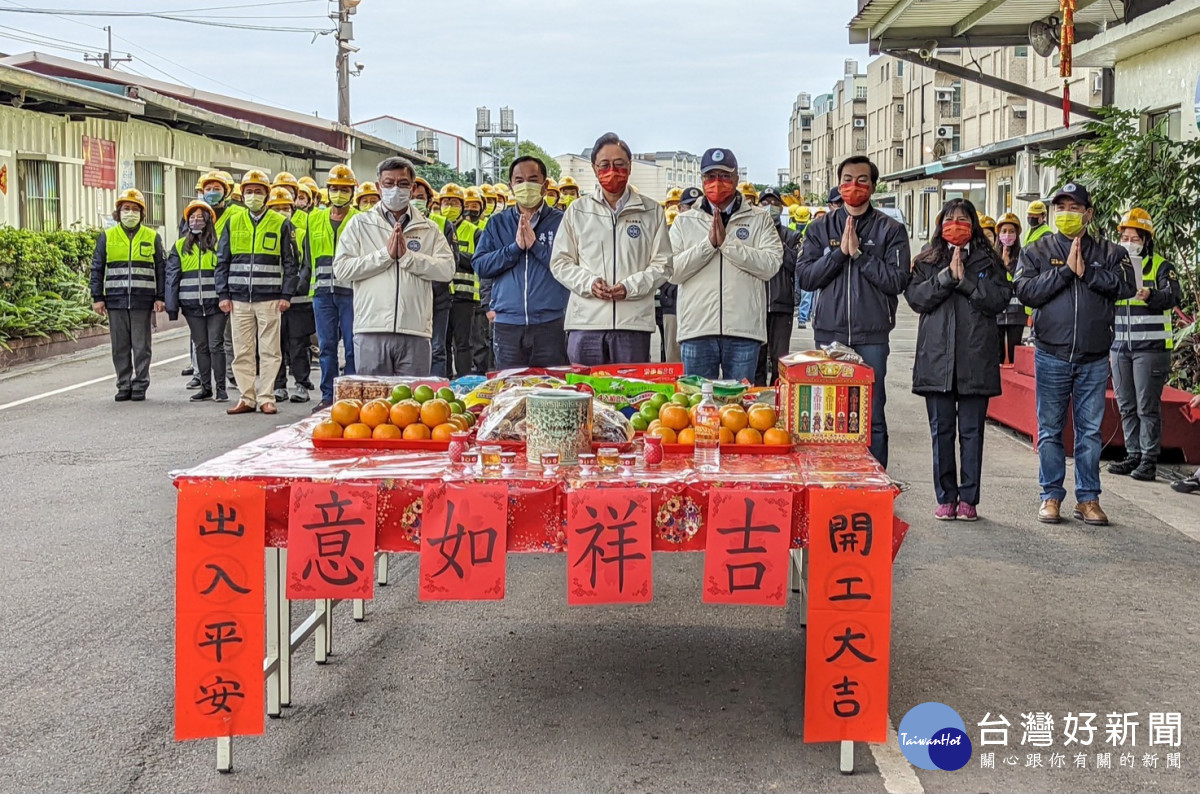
point(1035, 234)
point(465, 283)
point(223, 218)
point(256, 252)
point(1134, 320)
point(129, 262)
point(321, 244)
point(197, 283)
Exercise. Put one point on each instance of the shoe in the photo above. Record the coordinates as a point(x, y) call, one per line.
point(1050, 512)
point(187, 371)
point(194, 383)
point(946, 512)
point(801, 325)
point(123, 396)
point(1091, 514)
point(967, 512)
point(299, 393)
point(240, 408)
point(222, 396)
point(321, 406)
point(201, 396)
point(1189, 485)
point(281, 395)
point(1125, 466)
point(268, 408)
point(1147, 471)
point(138, 396)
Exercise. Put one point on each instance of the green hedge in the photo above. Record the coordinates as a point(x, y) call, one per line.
point(44, 282)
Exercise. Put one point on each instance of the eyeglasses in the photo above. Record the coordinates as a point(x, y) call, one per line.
point(391, 183)
point(620, 165)
point(720, 176)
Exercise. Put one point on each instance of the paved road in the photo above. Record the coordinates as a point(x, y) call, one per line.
point(1004, 616)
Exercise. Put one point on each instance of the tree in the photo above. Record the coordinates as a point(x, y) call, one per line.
point(438, 174)
point(504, 150)
point(1124, 167)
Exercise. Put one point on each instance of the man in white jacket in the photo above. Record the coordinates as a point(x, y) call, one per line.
point(390, 254)
point(725, 250)
point(612, 252)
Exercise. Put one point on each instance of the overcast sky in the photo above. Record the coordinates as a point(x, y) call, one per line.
point(663, 74)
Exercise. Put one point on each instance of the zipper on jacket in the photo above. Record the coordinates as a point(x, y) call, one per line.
point(614, 281)
point(526, 291)
point(1075, 319)
point(720, 291)
point(396, 307)
point(129, 271)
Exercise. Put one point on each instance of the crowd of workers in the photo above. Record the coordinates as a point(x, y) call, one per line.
point(413, 281)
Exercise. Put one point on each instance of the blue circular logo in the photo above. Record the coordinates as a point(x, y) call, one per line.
point(743, 233)
point(414, 245)
point(933, 736)
point(634, 231)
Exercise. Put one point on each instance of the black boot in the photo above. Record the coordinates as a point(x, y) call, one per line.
point(1126, 466)
point(205, 393)
point(1146, 471)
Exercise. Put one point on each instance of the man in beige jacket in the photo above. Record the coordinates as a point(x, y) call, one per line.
point(612, 252)
point(390, 254)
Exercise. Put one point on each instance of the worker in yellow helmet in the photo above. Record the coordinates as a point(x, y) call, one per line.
point(673, 197)
point(367, 196)
point(467, 353)
point(473, 206)
point(298, 323)
point(333, 300)
point(128, 282)
point(1036, 218)
point(749, 192)
point(192, 289)
point(489, 203)
point(309, 198)
point(801, 217)
point(568, 192)
point(988, 224)
point(551, 192)
point(255, 276)
point(235, 196)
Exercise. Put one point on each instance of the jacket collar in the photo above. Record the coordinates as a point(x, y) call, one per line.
point(635, 199)
point(415, 219)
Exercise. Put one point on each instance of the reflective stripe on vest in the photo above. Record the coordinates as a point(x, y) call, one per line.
point(465, 283)
point(1134, 320)
point(255, 249)
point(1014, 302)
point(129, 262)
point(198, 282)
point(322, 245)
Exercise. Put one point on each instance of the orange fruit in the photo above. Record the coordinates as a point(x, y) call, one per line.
point(405, 413)
point(344, 412)
point(386, 430)
point(727, 436)
point(687, 437)
point(327, 429)
point(762, 417)
point(416, 432)
point(734, 417)
point(435, 412)
point(663, 432)
point(460, 422)
point(375, 413)
point(442, 432)
point(357, 430)
point(674, 416)
point(775, 436)
point(748, 436)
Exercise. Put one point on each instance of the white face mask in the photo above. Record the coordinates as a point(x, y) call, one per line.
point(774, 211)
point(130, 218)
point(1134, 249)
point(395, 198)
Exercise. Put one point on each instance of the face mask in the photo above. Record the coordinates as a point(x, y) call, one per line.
point(774, 211)
point(339, 198)
point(956, 232)
point(1008, 238)
point(567, 201)
point(285, 213)
point(130, 218)
point(213, 197)
point(613, 180)
point(472, 215)
point(196, 227)
point(1134, 249)
point(1033, 221)
point(1069, 223)
point(854, 194)
point(718, 192)
point(553, 200)
point(488, 210)
point(422, 206)
point(528, 194)
point(451, 212)
point(254, 202)
point(396, 198)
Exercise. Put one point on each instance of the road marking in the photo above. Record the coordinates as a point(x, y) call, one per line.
point(86, 383)
point(898, 774)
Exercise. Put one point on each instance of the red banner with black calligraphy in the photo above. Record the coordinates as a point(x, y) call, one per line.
point(331, 541)
point(464, 544)
point(219, 610)
point(849, 615)
point(746, 555)
point(609, 558)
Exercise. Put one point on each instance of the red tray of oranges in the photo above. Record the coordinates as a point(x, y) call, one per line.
point(418, 420)
point(749, 432)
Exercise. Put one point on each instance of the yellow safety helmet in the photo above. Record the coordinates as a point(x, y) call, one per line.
point(488, 192)
point(453, 191)
point(512, 201)
point(280, 197)
point(1137, 218)
point(309, 183)
point(212, 176)
point(987, 222)
point(1008, 217)
point(199, 205)
point(227, 178)
point(566, 182)
point(748, 190)
point(674, 195)
point(800, 213)
point(340, 176)
point(133, 196)
point(236, 193)
point(1037, 208)
point(472, 195)
point(323, 196)
point(551, 185)
point(284, 179)
point(255, 177)
point(425, 183)
point(366, 189)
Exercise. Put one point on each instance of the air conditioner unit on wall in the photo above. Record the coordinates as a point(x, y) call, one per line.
point(944, 94)
point(806, 147)
point(1020, 111)
point(1029, 184)
point(946, 132)
point(1049, 181)
point(860, 123)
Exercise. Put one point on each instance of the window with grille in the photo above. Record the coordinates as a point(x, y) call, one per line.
point(149, 179)
point(185, 188)
point(41, 198)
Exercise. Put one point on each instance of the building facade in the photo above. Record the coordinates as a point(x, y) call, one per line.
point(839, 128)
point(652, 174)
point(445, 147)
point(800, 133)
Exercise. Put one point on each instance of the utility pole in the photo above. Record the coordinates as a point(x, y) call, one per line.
point(345, 35)
point(106, 59)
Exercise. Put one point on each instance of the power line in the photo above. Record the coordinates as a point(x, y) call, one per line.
point(28, 36)
point(171, 18)
point(92, 12)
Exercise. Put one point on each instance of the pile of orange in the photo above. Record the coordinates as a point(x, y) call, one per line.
point(435, 419)
point(676, 425)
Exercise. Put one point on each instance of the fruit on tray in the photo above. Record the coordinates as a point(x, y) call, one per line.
point(419, 414)
point(673, 422)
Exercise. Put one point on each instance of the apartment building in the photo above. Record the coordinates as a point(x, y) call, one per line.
point(652, 173)
point(839, 128)
point(800, 133)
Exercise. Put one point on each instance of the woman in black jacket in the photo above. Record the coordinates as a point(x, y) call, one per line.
point(1013, 319)
point(958, 287)
point(192, 289)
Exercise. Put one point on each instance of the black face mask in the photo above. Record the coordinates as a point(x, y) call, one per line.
point(472, 215)
point(1033, 221)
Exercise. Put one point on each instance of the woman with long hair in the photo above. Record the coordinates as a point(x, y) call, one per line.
point(1013, 319)
point(192, 289)
point(958, 287)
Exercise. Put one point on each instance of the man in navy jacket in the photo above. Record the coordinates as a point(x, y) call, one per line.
point(514, 253)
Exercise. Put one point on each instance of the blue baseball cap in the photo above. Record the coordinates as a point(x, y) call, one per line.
point(690, 196)
point(718, 160)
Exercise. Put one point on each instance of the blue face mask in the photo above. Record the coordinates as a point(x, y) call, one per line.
point(213, 197)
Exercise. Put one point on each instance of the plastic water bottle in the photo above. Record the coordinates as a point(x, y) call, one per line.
point(708, 432)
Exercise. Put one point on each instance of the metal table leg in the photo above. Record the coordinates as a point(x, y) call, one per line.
point(285, 634)
point(273, 632)
point(225, 754)
point(846, 762)
point(381, 576)
point(320, 643)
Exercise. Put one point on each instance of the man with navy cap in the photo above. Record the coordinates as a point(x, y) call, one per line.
point(1072, 282)
point(835, 200)
point(689, 198)
point(725, 250)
